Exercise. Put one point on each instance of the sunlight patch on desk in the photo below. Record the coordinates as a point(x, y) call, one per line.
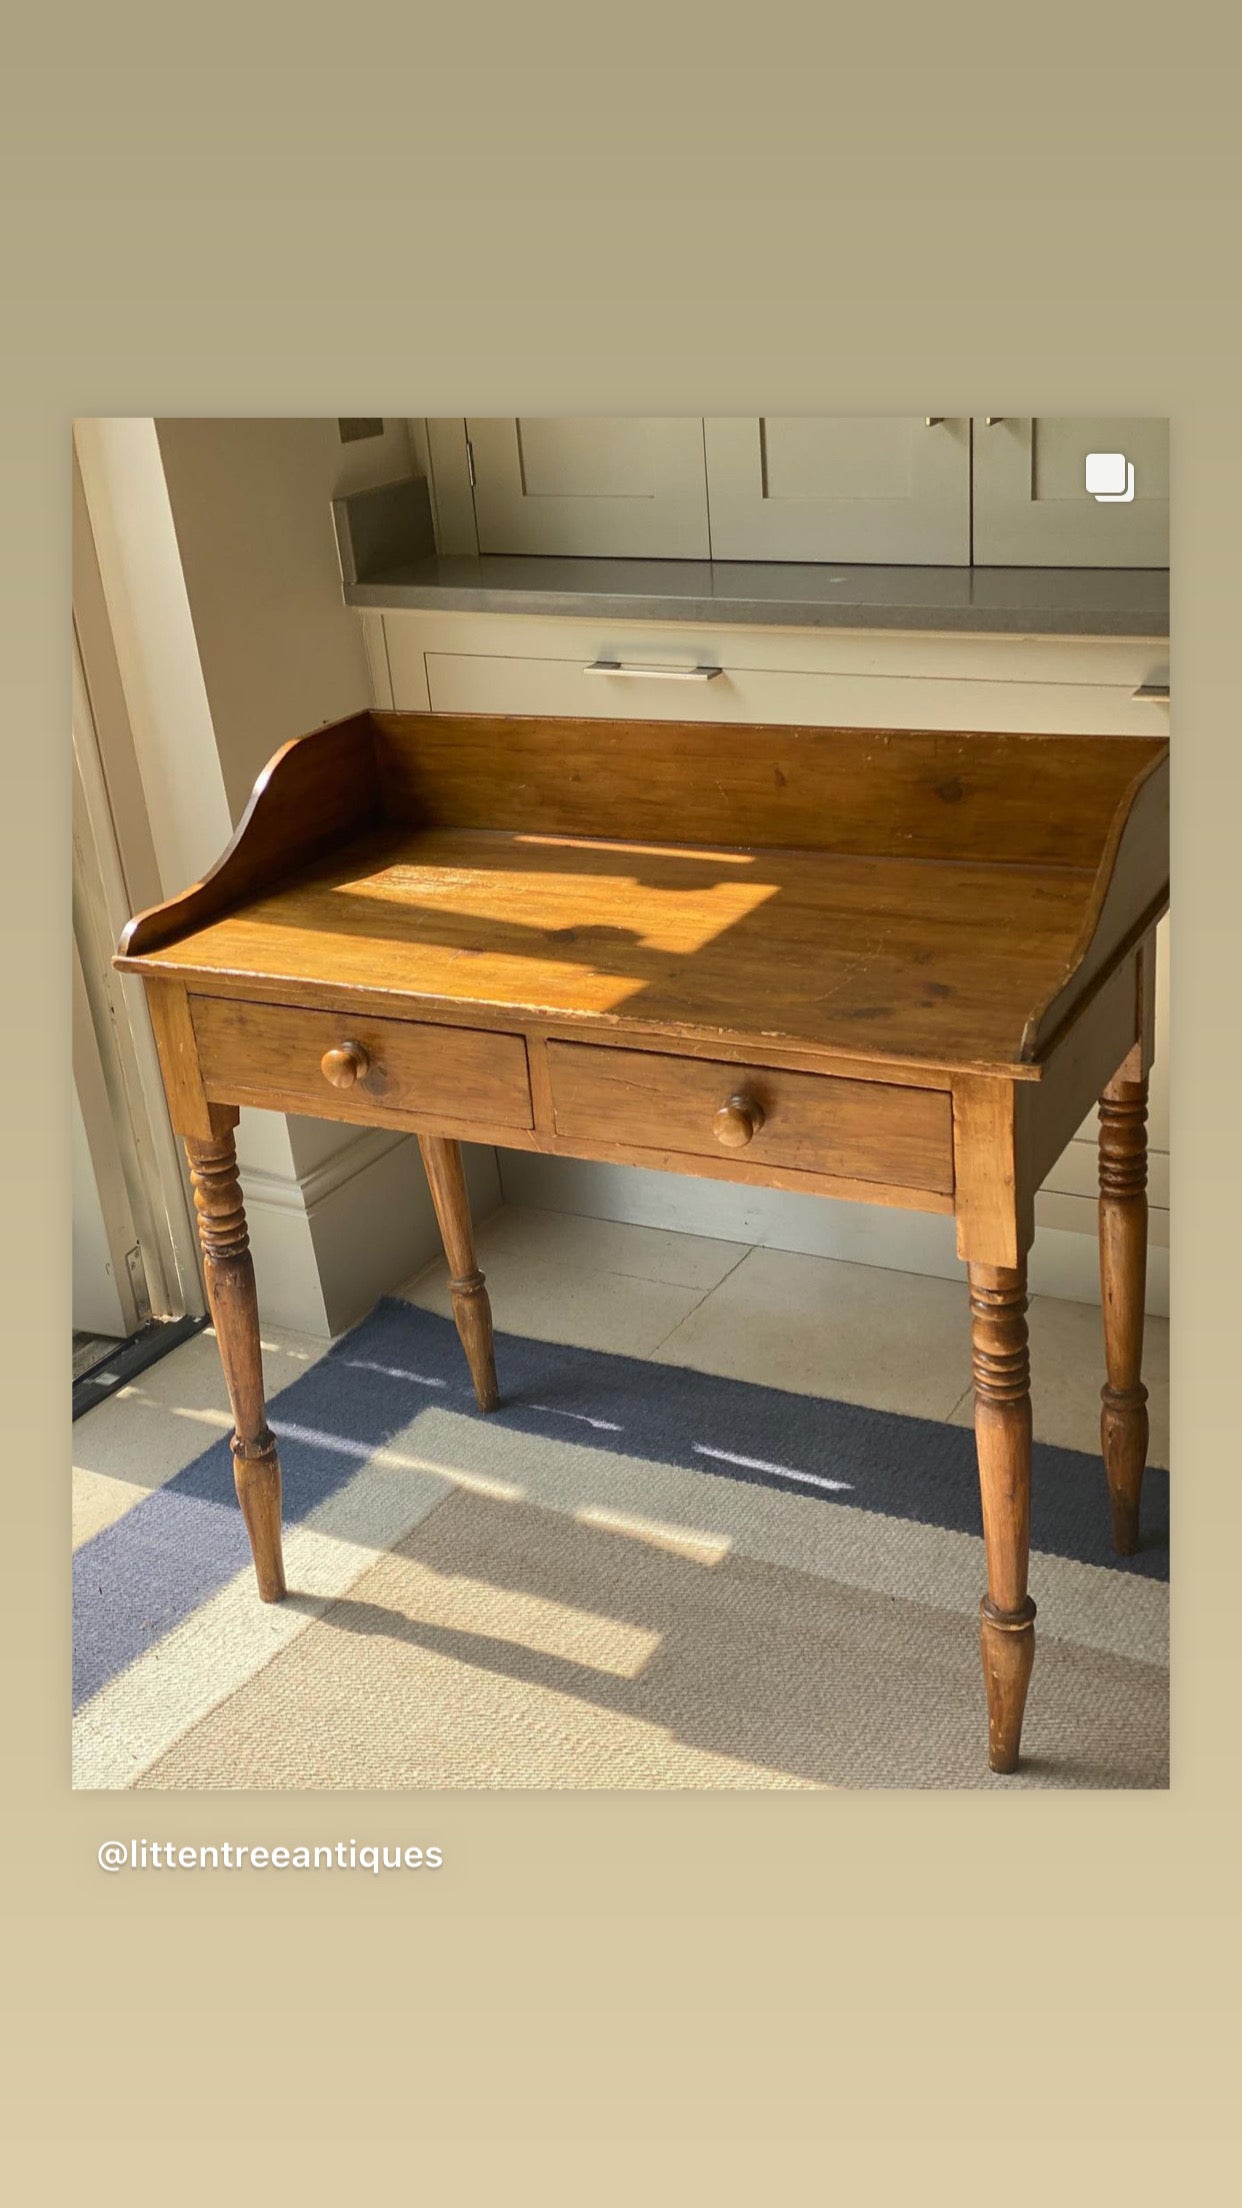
point(552, 907)
point(607, 844)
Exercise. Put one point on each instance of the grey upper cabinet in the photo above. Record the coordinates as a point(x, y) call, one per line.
point(620, 486)
point(854, 488)
point(1002, 491)
point(1032, 507)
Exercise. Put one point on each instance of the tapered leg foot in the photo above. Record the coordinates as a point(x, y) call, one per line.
point(473, 1313)
point(1123, 1286)
point(1001, 1366)
point(229, 1273)
point(1007, 1646)
point(471, 1309)
point(1123, 1445)
point(256, 1477)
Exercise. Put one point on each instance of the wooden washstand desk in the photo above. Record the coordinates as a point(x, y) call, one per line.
point(893, 966)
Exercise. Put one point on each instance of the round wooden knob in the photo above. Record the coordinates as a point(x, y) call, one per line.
point(737, 1122)
point(344, 1065)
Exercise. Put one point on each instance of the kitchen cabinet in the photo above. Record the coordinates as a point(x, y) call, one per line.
point(853, 488)
point(620, 486)
point(1031, 508)
point(926, 491)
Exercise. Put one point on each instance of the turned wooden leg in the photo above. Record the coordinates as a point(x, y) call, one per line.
point(471, 1308)
point(1123, 1287)
point(229, 1272)
point(1002, 1376)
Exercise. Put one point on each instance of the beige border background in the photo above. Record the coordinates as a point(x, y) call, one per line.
point(611, 1998)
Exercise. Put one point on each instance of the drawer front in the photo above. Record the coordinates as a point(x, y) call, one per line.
point(814, 1123)
point(268, 1053)
point(410, 638)
point(459, 682)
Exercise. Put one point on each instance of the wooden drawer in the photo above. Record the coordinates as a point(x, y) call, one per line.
point(814, 1123)
point(272, 1054)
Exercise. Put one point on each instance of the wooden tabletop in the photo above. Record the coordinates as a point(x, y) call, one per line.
point(938, 960)
point(891, 896)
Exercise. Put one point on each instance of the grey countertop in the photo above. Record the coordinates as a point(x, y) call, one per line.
point(1008, 601)
point(388, 560)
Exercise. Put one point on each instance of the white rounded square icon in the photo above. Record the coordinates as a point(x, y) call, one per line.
point(1106, 473)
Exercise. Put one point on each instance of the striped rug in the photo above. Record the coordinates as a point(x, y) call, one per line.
point(632, 1575)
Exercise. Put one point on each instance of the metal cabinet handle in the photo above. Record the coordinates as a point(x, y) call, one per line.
point(1157, 690)
point(933, 421)
point(652, 674)
point(990, 421)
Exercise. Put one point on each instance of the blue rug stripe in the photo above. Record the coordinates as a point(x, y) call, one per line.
point(140, 1577)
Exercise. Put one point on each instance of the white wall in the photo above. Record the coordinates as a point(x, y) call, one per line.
point(218, 562)
point(1063, 1259)
point(251, 505)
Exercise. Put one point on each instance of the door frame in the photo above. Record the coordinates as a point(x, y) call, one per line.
point(111, 1009)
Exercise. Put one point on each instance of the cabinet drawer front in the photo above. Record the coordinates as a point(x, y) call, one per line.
point(459, 682)
point(268, 1053)
point(411, 635)
point(814, 1123)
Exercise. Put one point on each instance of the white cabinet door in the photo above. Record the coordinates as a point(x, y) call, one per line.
point(619, 486)
point(855, 488)
point(1032, 506)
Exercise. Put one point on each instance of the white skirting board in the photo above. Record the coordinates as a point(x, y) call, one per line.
point(1063, 1262)
point(329, 1243)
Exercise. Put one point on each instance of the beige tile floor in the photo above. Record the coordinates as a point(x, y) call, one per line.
point(815, 1325)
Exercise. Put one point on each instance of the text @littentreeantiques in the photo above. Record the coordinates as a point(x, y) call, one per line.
point(231, 1855)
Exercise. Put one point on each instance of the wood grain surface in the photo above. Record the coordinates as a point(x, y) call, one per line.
point(912, 793)
point(863, 1129)
point(1001, 1369)
point(472, 1310)
point(940, 899)
point(228, 1271)
point(316, 792)
point(249, 1052)
point(938, 961)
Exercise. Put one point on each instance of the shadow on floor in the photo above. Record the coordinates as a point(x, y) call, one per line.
point(509, 1646)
